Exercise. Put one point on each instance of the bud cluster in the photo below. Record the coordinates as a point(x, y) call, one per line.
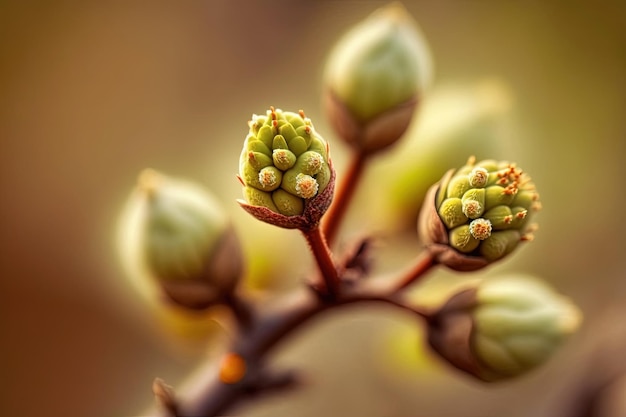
point(284, 166)
point(483, 211)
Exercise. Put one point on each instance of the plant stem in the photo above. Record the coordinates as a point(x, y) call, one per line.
point(323, 256)
point(424, 262)
point(211, 397)
point(344, 195)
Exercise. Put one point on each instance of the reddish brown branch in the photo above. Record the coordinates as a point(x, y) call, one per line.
point(343, 196)
point(326, 265)
point(423, 264)
point(213, 397)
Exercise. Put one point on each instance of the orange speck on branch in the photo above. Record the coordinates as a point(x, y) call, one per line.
point(232, 368)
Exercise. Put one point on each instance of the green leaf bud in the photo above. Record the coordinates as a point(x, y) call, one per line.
point(288, 131)
point(279, 142)
point(499, 244)
point(266, 135)
point(457, 187)
point(374, 77)
point(287, 203)
point(176, 235)
point(526, 199)
point(501, 217)
point(496, 195)
point(256, 146)
point(494, 199)
point(259, 198)
point(296, 180)
point(462, 239)
point(503, 328)
point(258, 160)
point(298, 145)
point(451, 212)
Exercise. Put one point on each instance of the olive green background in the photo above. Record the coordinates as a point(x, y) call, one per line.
point(93, 92)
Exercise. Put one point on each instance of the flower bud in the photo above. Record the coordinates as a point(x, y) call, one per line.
point(478, 214)
point(503, 328)
point(286, 170)
point(374, 77)
point(176, 234)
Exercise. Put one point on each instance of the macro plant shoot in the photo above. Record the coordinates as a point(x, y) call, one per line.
point(182, 251)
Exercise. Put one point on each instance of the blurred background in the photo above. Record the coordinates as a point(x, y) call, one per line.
point(93, 92)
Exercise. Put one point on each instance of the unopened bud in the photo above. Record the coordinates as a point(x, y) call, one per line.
point(375, 76)
point(176, 234)
point(503, 328)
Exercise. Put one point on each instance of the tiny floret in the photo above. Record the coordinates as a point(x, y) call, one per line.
point(267, 177)
point(472, 208)
point(480, 229)
point(478, 177)
point(306, 186)
point(313, 163)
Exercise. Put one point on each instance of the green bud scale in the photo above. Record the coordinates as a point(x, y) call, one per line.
point(285, 169)
point(481, 211)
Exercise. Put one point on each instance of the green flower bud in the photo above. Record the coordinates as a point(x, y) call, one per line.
point(503, 328)
point(286, 170)
point(175, 234)
point(375, 76)
point(493, 199)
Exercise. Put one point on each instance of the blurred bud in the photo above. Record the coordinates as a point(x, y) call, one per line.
point(478, 214)
point(503, 328)
point(286, 170)
point(374, 78)
point(177, 235)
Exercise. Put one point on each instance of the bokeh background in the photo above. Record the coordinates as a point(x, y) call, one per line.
point(93, 92)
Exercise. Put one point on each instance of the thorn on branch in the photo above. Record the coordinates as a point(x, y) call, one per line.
point(358, 262)
point(165, 397)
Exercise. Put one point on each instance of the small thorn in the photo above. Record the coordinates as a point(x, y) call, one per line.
point(165, 396)
point(301, 113)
